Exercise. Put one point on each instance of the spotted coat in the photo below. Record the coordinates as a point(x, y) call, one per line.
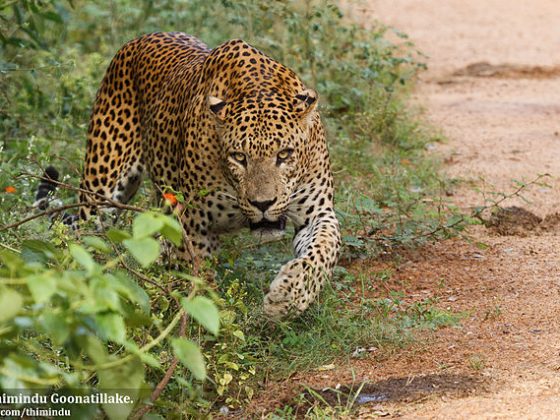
point(229, 122)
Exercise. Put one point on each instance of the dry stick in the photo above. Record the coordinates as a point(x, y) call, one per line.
point(439, 228)
point(49, 212)
point(107, 202)
point(9, 248)
point(166, 378)
point(516, 193)
point(180, 209)
point(112, 202)
point(477, 213)
point(179, 212)
point(70, 164)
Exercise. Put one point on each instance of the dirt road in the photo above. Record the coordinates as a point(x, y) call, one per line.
point(493, 87)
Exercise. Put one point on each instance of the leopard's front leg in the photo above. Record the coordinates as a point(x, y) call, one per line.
point(300, 280)
point(198, 241)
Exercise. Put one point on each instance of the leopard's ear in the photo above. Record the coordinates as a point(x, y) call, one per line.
point(306, 101)
point(216, 106)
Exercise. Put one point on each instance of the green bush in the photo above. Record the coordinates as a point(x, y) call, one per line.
point(72, 312)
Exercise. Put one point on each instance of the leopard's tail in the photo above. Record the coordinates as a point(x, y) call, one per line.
point(46, 188)
point(45, 195)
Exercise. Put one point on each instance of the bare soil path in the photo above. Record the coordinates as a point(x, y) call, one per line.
point(493, 87)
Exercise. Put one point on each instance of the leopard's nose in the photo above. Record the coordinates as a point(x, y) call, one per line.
point(262, 205)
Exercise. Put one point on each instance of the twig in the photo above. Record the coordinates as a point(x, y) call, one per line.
point(10, 248)
point(47, 213)
point(106, 202)
point(113, 203)
point(168, 373)
point(144, 349)
point(477, 213)
point(55, 66)
point(439, 228)
point(166, 378)
point(138, 274)
point(180, 213)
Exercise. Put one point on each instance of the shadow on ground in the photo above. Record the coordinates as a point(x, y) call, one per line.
point(405, 389)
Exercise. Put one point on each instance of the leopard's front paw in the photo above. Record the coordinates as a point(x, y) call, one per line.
point(287, 292)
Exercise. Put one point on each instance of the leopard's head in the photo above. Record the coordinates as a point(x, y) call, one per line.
point(263, 140)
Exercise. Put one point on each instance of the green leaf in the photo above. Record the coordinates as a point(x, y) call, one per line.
point(11, 260)
point(23, 372)
point(171, 233)
point(146, 357)
point(117, 235)
point(204, 311)
point(54, 325)
point(239, 334)
point(111, 326)
point(131, 290)
point(55, 17)
point(10, 302)
point(42, 286)
point(190, 355)
point(146, 225)
point(94, 348)
point(97, 243)
point(145, 250)
point(82, 257)
point(38, 251)
point(105, 297)
point(195, 280)
point(353, 241)
point(127, 379)
point(172, 230)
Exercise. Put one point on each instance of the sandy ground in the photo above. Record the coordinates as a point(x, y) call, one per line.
point(493, 87)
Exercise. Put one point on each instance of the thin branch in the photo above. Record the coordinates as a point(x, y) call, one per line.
point(10, 248)
point(106, 202)
point(144, 349)
point(46, 213)
point(53, 66)
point(138, 274)
point(112, 202)
point(180, 213)
point(477, 212)
point(166, 378)
point(170, 370)
point(440, 228)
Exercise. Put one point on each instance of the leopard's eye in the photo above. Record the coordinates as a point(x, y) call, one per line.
point(239, 157)
point(284, 154)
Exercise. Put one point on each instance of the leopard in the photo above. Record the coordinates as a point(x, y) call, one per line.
point(236, 132)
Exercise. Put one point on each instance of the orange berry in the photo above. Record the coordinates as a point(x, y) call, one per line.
point(170, 198)
point(10, 190)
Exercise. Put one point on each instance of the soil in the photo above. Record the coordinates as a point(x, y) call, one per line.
point(493, 88)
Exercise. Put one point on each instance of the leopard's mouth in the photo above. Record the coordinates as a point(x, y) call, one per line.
point(268, 225)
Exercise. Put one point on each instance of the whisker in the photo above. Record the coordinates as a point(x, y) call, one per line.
point(294, 217)
point(296, 192)
point(226, 195)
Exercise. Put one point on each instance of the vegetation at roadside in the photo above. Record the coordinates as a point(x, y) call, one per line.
point(99, 311)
